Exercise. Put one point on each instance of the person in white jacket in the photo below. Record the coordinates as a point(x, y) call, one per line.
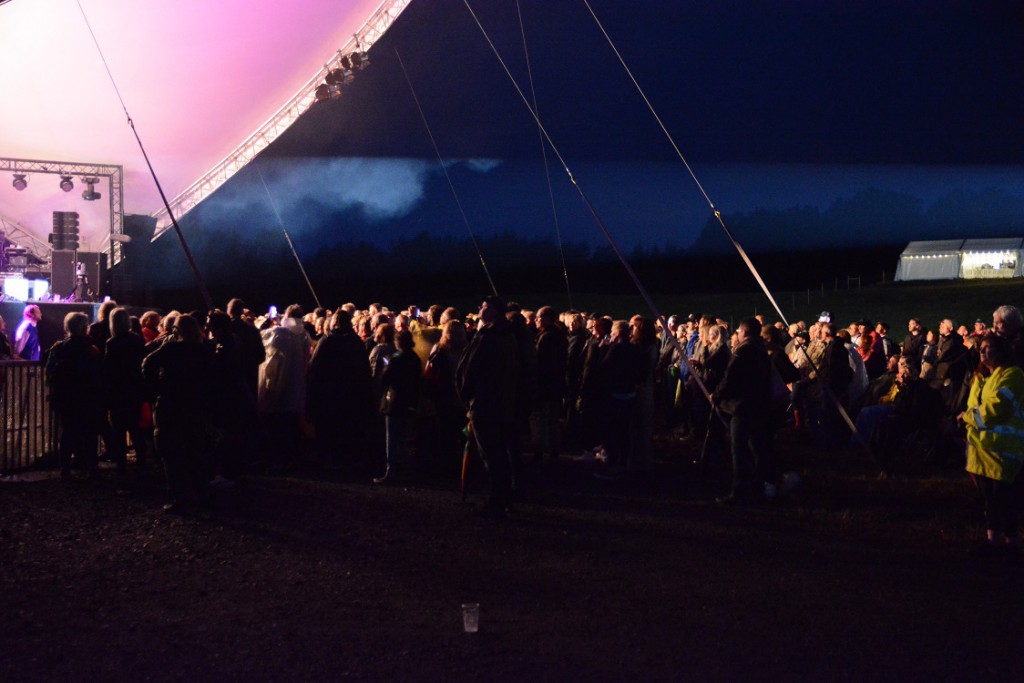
point(282, 387)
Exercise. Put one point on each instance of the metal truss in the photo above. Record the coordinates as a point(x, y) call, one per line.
point(20, 235)
point(115, 194)
point(370, 33)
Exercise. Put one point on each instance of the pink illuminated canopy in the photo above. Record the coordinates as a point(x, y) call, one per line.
point(197, 77)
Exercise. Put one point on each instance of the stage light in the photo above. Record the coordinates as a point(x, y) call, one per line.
point(19, 182)
point(91, 194)
point(66, 184)
point(339, 77)
point(360, 60)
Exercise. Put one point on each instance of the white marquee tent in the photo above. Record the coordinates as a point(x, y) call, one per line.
point(969, 259)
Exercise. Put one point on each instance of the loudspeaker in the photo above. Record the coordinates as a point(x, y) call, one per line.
point(64, 277)
point(62, 274)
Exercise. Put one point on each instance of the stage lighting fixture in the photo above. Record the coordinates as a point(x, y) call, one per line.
point(66, 184)
point(346, 63)
point(19, 182)
point(339, 77)
point(360, 60)
point(90, 194)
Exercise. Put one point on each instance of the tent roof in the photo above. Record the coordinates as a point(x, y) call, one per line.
point(994, 244)
point(932, 247)
point(197, 78)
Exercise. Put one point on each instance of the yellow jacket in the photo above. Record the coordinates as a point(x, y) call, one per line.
point(995, 424)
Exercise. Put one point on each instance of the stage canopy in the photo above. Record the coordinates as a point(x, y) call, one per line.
point(207, 84)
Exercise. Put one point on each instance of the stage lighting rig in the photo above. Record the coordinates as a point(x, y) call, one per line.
point(19, 182)
point(66, 183)
point(90, 194)
point(360, 60)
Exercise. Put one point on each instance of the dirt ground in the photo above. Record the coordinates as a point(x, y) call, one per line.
point(324, 578)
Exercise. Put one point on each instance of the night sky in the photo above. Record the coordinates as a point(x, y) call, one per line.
point(776, 106)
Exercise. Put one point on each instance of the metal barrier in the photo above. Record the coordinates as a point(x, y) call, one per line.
point(28, 426)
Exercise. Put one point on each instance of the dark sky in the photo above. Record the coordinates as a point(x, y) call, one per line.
point(775, 105)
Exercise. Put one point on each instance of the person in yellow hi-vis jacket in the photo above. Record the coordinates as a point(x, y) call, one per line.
point(995, 443)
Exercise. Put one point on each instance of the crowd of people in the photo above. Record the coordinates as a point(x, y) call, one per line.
point(214, 394)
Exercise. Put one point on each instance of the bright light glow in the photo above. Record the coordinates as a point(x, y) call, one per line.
point(205, 87)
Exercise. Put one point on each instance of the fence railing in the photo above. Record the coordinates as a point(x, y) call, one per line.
point(28, 427)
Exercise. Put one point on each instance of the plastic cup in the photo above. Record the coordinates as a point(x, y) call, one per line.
point(471, 617)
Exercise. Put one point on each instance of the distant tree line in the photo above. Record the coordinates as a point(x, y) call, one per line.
point(793, 248)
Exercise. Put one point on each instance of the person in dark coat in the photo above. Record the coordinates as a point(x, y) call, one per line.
point(339, 400)
point(590, 402)
point(122, 377)
point(577, 350)
point(913, 343)
point(621, 370)
point(179, 375)
point(552, 360)
point(744, 396)
point(401, 384)
point(235, 404)
point(253, 352)
point(486, 381)
point(99, 331)
point(74, 370)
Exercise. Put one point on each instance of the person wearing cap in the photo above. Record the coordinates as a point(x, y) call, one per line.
point(980, 330)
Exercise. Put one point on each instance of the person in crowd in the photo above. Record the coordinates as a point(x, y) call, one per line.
point(980, 329)
point(874, 362)
point(835, 374)
point(26, 337)
point(1007, 322)
point(577, 338)
point(380, 356)
point(930, 349)
point(179, 375)
point(621, 371)
point(711, 358)
point(122, 380)
point(74, 372)
point(282, 388)
point(339, 400)
point(552, 359)
point(6, 350)
point(949, 355)
point(995, 442)
point(590, 402)
point(250, 344)
point(526, 391)
point(486, 382)
point(913, 343)
point(401, 384)
point(99, 331)
point(641, 429)
point(439, 381)
point(744, 395)
point(914, 405)
point(234, 403)
point(889, 347)
point(150, 322)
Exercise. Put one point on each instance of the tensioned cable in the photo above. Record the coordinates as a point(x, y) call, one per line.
point(721, 221)
point(586, 200)
point(451, 185)
point(717, 213)
point(288, 237)
point(181, 236)
point(544, 156)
